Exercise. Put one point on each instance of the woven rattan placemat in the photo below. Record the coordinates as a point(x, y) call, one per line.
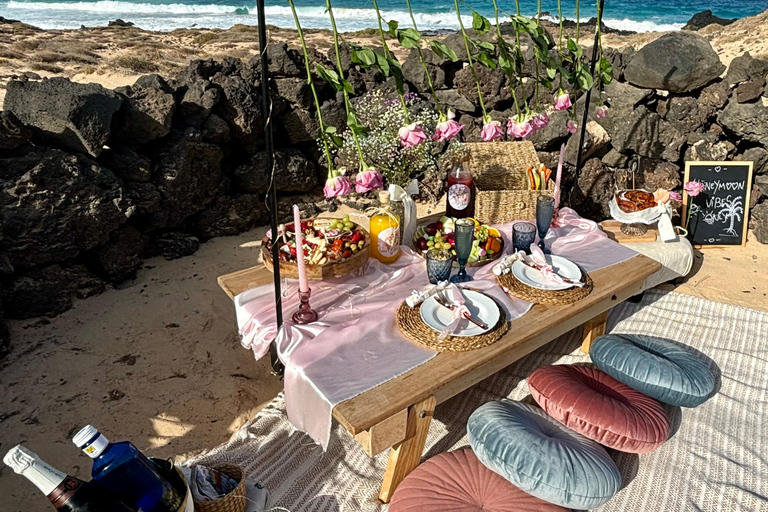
point(513, 287)
point(413, 327)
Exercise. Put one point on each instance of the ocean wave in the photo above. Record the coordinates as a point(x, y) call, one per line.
point(158, 16)
point(118, 6)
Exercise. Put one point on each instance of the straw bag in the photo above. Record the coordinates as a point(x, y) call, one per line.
point(232, 502)
point(501, 182)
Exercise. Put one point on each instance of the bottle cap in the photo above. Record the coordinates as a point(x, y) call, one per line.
point(19, 459)
point(383, 197)
point(90, 440)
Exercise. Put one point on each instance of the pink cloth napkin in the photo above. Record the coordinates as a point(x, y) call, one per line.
point(356, 345)
point(455, 297)
point(538, 260)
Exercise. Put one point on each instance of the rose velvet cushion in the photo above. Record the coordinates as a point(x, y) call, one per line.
point(458, 482)
point(541, 456)
point(601, 408)
point(656, 367)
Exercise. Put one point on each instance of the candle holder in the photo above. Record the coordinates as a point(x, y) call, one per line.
point(305, 313)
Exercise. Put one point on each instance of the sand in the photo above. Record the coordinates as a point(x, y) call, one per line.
point(158, 361)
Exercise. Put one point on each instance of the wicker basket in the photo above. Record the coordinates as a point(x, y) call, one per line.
point(501, 184)
point(232, 502)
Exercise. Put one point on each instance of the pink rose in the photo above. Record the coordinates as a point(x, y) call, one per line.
point(675, 196)
point(693, 188)
point(412, 135)
point(519, 126)
point(337, 187)
point(661, 195)
point(492, 131)
point(447, 128)
point(367, 180)
point(601, 112)
point(571, 126)
point(540, 120)
point(562, 100)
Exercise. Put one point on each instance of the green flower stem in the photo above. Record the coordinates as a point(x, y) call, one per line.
point(560, 42)
point(326, 148)
point(347, 105)
point(469, 58)
point(388, 56)
point(503, 51)
point(424, 63)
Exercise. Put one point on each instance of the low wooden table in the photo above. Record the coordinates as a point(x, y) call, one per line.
point(397, 413)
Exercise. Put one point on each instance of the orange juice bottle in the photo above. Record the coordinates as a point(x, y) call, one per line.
point(385, 232)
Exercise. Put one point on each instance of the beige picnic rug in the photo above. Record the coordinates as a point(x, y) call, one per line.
point(716, 459)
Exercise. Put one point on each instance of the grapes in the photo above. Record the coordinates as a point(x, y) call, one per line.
point(348, 224)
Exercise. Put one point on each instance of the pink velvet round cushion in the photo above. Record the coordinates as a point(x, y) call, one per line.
point(596, 405)
point(458, 482)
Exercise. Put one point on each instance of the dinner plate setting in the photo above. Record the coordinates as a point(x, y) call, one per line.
point(480, 306)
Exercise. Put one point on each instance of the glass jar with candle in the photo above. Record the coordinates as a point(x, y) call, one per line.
point(460, 200)
point(385, 232)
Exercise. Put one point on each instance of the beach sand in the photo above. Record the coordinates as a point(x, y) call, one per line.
point(158, 361)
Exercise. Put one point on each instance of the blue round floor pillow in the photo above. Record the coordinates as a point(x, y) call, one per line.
point(541, 456)
point(656, 367)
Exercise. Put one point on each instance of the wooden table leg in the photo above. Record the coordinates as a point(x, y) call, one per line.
point(592, 329)
point(406, 456)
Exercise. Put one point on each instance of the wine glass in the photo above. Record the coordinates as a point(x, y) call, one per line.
point(464, 234)
point(545, 209)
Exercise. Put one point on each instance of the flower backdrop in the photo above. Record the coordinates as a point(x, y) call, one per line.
point(394, 139)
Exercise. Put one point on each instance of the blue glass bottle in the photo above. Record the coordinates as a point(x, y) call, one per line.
point(124, 470)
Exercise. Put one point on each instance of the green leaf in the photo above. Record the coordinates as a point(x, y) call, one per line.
point(443, 50)
point(605, 71)
point(505, 63)
point(408, 37)
point(346, 86)
point(382, 63)
point(486, 60)
point(329, 76)
point(551, 72)
point(585, 81)
point(393, 24)
point(485, 45)
point(479, 23)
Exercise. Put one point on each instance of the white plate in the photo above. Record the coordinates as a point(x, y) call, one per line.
point(481, 306)
point(534, 278)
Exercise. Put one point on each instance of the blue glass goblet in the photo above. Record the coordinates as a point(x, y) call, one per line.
point(464, 234)
point(439, 265)
point(523, 235)
point(545, 210)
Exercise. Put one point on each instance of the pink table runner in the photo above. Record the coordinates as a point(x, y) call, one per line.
point(356, 345)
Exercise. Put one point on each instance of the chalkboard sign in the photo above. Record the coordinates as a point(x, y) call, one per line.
point(719, 213)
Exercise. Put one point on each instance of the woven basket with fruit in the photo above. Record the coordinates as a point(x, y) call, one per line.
point(332, 248)
point(487, 246)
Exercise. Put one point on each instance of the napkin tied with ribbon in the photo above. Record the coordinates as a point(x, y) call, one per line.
point(538, 261)
point(455, 297)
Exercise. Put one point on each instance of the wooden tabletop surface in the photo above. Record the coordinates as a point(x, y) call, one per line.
point(450, 373)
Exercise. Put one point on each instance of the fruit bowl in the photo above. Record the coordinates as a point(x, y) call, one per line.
point(333, 248)
point(488, 244)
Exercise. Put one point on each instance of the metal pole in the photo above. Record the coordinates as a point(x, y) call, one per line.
point(588, 96)
point(277, 366)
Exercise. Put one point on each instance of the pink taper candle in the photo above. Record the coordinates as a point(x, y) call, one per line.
point(558, 176)
point(303, 283)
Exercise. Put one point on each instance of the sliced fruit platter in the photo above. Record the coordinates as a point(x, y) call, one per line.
point(332, 248)
point(486, 247)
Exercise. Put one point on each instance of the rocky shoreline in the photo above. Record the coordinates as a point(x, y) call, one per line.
point(94, 180)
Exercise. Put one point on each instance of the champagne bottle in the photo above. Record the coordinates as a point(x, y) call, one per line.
point(124, 470)
point(66, 493)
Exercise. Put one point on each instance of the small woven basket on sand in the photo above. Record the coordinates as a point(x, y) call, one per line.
point(232, 502)
point(501, 182)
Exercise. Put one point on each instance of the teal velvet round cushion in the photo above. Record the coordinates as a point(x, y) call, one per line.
point(656, 367)
point(541, 456)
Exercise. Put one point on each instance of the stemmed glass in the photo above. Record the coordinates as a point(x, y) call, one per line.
point(464, 234)
point(545, 209)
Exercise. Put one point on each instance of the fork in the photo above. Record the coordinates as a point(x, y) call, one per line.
point(447, 304)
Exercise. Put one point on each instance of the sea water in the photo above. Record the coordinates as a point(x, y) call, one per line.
point(351, 15)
